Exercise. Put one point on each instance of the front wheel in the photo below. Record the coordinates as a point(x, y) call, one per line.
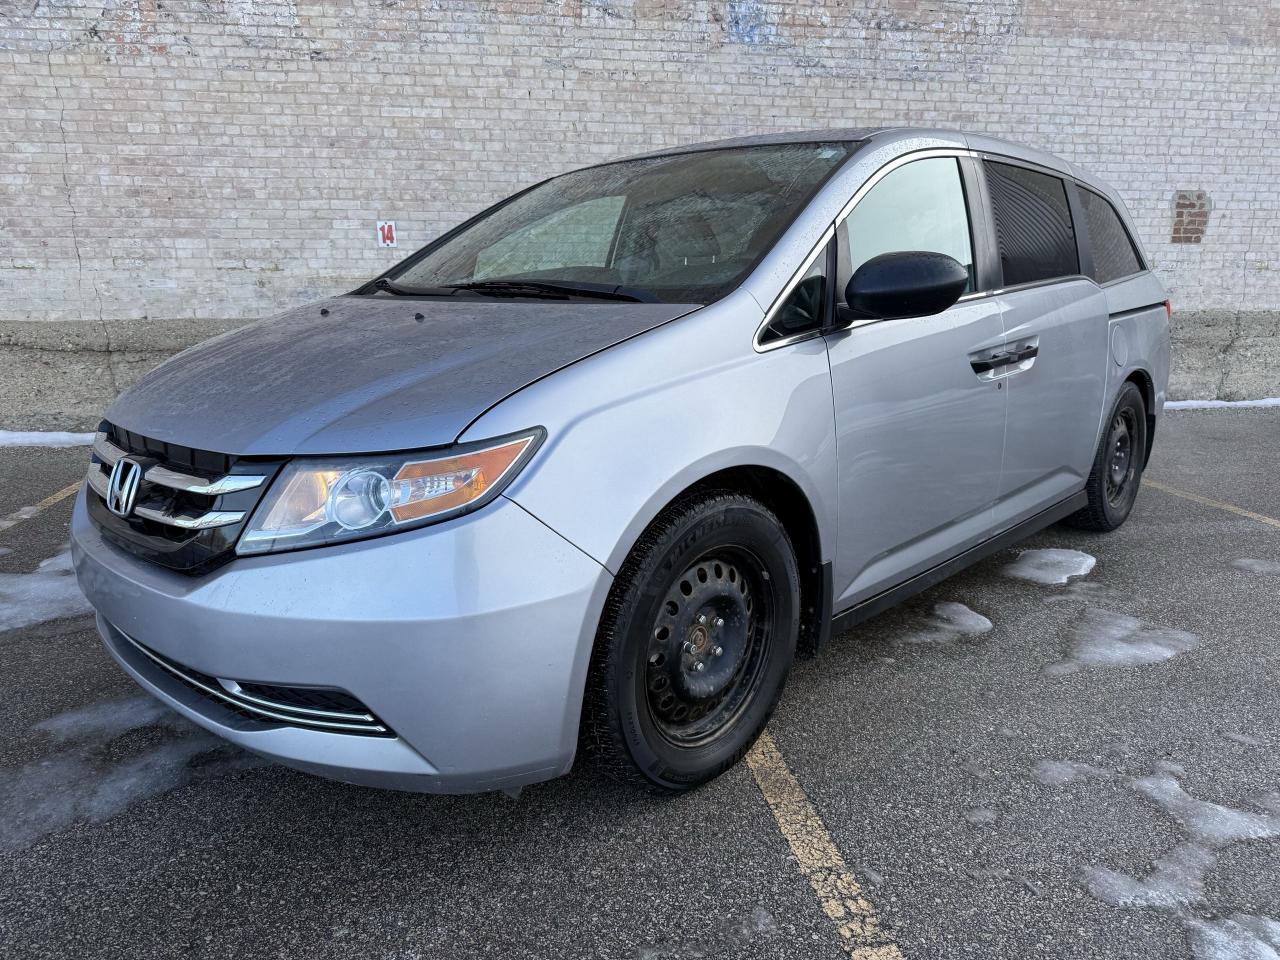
point(695, 644)
point(1117, 467)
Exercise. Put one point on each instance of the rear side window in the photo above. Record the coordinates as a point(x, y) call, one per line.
point(1114, 255)
point(1033, 224)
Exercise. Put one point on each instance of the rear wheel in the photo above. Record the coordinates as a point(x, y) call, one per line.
point(1117, 467)
point(695, 644)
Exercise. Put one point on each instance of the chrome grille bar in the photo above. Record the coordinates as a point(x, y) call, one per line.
point(187, 520)
point(283, 713)
point(231, 483)
point(148, 511)
point(109, 453)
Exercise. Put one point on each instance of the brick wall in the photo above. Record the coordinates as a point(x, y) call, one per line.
point(217, 159)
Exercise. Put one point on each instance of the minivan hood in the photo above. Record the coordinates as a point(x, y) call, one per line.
point(368, 376)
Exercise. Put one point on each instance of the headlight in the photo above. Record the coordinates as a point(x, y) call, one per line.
point(317, 501)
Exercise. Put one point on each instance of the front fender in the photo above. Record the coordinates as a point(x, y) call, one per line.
point(630, 428)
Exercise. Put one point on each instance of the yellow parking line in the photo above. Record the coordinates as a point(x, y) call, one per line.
point(26, 513)
point(820, 861)
point(1229, 507)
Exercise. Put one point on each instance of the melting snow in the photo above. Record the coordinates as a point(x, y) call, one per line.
point(47, 593)
point(1211, 823)
point(43, 438)
point(52, 793)
point(1177, 879)
point(950, 621)
point(106, 721)
point(1051, 566)
point(1106, 639)
point(1243, 937)
point(1058, 773)
point(1268, 568)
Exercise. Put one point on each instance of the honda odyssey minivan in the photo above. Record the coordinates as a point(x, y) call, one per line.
point(594, 466)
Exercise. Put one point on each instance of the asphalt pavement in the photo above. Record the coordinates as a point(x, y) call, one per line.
point(999, 768)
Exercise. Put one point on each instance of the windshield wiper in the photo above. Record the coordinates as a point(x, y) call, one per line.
point(382, 283)
point(559, 289)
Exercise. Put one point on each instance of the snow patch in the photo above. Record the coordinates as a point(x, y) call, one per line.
point(1059, 773)
point(44, 438)
point(47, 593)
point(981, 815)
point(1105, 639)
point(1242, 937)
point(106, 721)
point(1176, 880)
point(1051, 566)
point(1211, 823)
point(75, 784)
point(949, 621)
point(1215, 404)
point(1268, 568)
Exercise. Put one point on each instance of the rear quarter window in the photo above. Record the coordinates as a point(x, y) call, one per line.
point(1034, 234)
point(1114, 255)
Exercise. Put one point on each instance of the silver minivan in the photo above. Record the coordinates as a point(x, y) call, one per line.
point(593, 467)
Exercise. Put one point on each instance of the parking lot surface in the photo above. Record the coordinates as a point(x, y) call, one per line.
point(1005, 766)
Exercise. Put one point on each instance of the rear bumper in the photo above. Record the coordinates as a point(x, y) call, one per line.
point(469, 641)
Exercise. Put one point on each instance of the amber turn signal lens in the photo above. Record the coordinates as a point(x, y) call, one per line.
point(425, 487)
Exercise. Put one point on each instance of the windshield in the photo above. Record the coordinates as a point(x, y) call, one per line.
point(682, 229)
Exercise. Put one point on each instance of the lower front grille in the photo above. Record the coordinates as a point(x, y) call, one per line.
point(318, 708)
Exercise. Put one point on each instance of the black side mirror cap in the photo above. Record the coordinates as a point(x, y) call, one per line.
point(908, 283)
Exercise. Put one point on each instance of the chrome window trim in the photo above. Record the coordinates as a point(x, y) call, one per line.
point(787, 290)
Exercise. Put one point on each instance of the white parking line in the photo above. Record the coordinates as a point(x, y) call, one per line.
point(838, 890)
point(26, 513)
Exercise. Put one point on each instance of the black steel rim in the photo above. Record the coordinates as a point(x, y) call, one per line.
point(1122, 463)
point(709, 646)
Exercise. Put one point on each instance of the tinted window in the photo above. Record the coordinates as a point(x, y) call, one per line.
point(805, 308)
point(1113, 253)
point(919, 206)
point(684, 228)
point(1033, 224)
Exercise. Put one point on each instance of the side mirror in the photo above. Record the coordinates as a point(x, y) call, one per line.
point(910, 283)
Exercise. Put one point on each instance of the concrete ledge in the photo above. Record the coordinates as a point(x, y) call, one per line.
point(1225, 355)
point(61, 375)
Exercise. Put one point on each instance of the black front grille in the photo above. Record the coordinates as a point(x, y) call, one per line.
point(188, 551)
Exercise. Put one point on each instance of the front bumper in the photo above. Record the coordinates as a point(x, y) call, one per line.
point(469, 640)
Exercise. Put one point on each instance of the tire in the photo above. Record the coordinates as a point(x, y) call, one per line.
point(714, 572)
point(1117, 467)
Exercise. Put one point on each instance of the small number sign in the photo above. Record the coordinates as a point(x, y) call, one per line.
point(386, 233)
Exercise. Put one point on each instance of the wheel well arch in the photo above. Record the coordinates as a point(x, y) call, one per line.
point(788, 502)
point(1142, 380)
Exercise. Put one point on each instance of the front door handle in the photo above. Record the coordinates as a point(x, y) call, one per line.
point(1028, 352)
point(1005, 359)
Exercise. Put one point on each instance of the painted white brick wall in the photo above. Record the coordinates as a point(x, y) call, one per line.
point(227, 158)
